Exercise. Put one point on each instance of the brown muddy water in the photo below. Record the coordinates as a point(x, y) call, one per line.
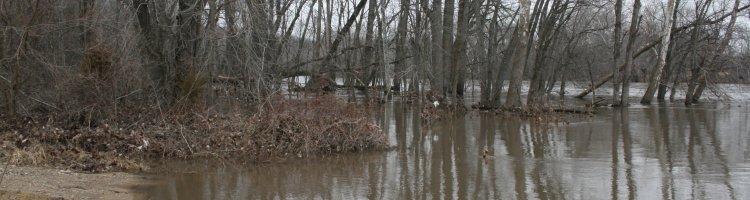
point(642, 152)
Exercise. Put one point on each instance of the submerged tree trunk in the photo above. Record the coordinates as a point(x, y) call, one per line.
point(491, 82)
point(656, 73)
point(401, 39)
point(550, 21)
point(627, 70)
point(694, 95)
point(633, 33)
point(669, 65)
point(447, 46)
point(458, 57)
point(617, 37)
point(436, 24)
point(518, 61)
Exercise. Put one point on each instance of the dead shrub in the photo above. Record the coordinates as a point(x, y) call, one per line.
point(97, 62)
point(317, 125)
point(84, 101)
point(192, 86)
point(286, 128)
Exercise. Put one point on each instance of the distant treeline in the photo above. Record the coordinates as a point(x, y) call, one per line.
point(75, 55)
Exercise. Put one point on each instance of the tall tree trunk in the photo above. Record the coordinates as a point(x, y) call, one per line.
point(150, 45)
point(328, 38)
point(448, 89)
point(401, 38)
point(231, 56)
point(542, 28)
point(669, 65)
point(550, 21)
point(487, 72)
point(319, 39)
point(436, 24)
point(366, 56)
point(700, 18)
point(665, 39)
point(617, 46)
point(187, 43)
point(262, 37)
point(387, 76)
point(518, 61)
point(633, 33)
point(458, 53)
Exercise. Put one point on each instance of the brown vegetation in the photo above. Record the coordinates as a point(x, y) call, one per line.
point(287, 128)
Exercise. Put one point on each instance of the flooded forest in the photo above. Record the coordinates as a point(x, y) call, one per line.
point(376, 99)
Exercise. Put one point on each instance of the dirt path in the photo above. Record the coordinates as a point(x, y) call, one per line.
point(46, 183)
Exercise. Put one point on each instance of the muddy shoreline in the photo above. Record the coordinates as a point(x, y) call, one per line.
point(22, 182)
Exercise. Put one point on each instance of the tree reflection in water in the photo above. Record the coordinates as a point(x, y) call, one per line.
point(638, 153)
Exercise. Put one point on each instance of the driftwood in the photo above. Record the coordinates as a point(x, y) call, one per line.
point(574, 110)
point(538, 111)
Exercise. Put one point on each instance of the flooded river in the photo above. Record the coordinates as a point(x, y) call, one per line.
point(642, 152)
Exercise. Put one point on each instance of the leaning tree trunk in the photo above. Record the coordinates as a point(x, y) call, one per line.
point(550, 21)
point(669, 65)
point(334, 46)
point(663, 51)
point(702, 80)
point(620, 67)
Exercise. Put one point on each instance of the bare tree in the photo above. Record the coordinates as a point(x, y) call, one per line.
point(518, 61)
point(634, 22)
point(656, 73)
point(693, 93)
